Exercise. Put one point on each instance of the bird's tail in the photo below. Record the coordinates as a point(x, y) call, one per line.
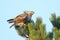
point(10, 21)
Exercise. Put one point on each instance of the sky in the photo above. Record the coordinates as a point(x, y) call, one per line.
point(11, 8)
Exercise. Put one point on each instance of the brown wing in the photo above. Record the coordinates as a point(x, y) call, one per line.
point(22, 16)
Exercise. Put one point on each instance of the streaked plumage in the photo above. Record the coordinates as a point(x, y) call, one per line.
point(21, 19)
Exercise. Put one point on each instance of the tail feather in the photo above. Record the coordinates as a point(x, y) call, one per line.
point(12, 25)
point(10, 21)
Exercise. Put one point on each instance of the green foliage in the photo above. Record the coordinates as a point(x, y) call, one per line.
point(56, 33)
point(37, 31)
point(50, 36)
point(55, 21)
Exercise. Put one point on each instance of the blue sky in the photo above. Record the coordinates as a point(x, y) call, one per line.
point(12, 8)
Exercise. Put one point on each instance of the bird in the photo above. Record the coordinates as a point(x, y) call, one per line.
point(21, 19)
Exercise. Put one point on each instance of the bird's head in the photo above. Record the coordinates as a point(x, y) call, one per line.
point(30, 12)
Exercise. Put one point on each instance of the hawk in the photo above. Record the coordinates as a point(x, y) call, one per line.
point(21, 19)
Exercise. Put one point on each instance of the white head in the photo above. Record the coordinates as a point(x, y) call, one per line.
point(30, 13)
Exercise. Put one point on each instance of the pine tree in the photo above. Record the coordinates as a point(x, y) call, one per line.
point(37, 31)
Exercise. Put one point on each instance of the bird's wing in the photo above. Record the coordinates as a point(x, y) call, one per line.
point(22, 16)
